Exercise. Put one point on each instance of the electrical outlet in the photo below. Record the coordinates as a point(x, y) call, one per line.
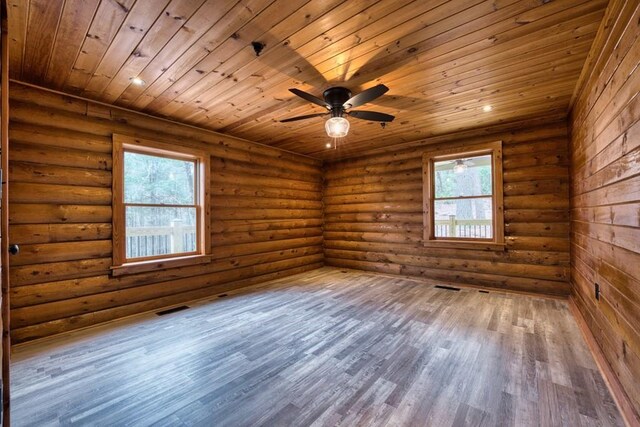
point(597, 291)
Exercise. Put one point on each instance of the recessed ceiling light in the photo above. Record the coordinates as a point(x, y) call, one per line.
point(137, 81)
point(487, 108)
point(328, 145)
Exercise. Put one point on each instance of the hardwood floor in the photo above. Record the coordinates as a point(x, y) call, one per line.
point(327, 347)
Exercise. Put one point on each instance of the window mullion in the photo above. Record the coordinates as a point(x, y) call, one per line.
point(138, 205)
point(488, 196)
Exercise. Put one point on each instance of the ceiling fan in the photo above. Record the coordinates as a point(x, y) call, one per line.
point(460, 165)
point(337, 100)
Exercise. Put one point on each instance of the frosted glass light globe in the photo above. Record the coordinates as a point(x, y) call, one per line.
point(337, 127)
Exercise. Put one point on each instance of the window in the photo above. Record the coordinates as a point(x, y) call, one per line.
point(160, 205)
point(463, 197)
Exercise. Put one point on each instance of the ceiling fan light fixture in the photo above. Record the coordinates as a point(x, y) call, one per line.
point(459, 167)
point(337, 127)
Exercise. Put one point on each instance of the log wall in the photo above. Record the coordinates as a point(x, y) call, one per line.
point(373, 215)
point(605, 199)
point(266, 218)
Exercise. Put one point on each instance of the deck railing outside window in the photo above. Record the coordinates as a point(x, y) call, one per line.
point(152, 241)
point(471, 228)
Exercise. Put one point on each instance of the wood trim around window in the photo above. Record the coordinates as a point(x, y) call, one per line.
point(428, 160)
point(121, 266)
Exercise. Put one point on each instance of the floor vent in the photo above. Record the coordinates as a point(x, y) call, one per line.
point(222, 295)
point(448, 288)
point(172, 310)
point(484, 292)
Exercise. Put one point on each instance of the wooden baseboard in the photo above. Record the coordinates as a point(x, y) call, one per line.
point(631, 418)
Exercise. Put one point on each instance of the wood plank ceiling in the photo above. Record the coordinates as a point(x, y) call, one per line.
point(443, 61)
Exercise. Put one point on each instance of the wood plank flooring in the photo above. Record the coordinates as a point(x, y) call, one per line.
point(328, 347)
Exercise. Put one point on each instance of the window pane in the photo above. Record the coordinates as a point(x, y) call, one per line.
point(466, 176)
point(155, 231)
point(470, 218)
point(158, 180)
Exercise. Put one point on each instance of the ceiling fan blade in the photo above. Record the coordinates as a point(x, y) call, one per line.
point(308, 116)
point(372, 116)
point(309, 97)
point(365, 96)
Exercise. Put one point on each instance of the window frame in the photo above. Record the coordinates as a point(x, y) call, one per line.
point(122, 265)
point(428, 185)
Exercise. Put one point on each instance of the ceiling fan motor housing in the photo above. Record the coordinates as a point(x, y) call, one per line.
point(336, 97)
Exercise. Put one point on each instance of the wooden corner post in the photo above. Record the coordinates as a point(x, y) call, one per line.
point(4, 214)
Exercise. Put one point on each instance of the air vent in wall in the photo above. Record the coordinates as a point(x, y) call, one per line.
point(172, 310)
point(448, 288)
